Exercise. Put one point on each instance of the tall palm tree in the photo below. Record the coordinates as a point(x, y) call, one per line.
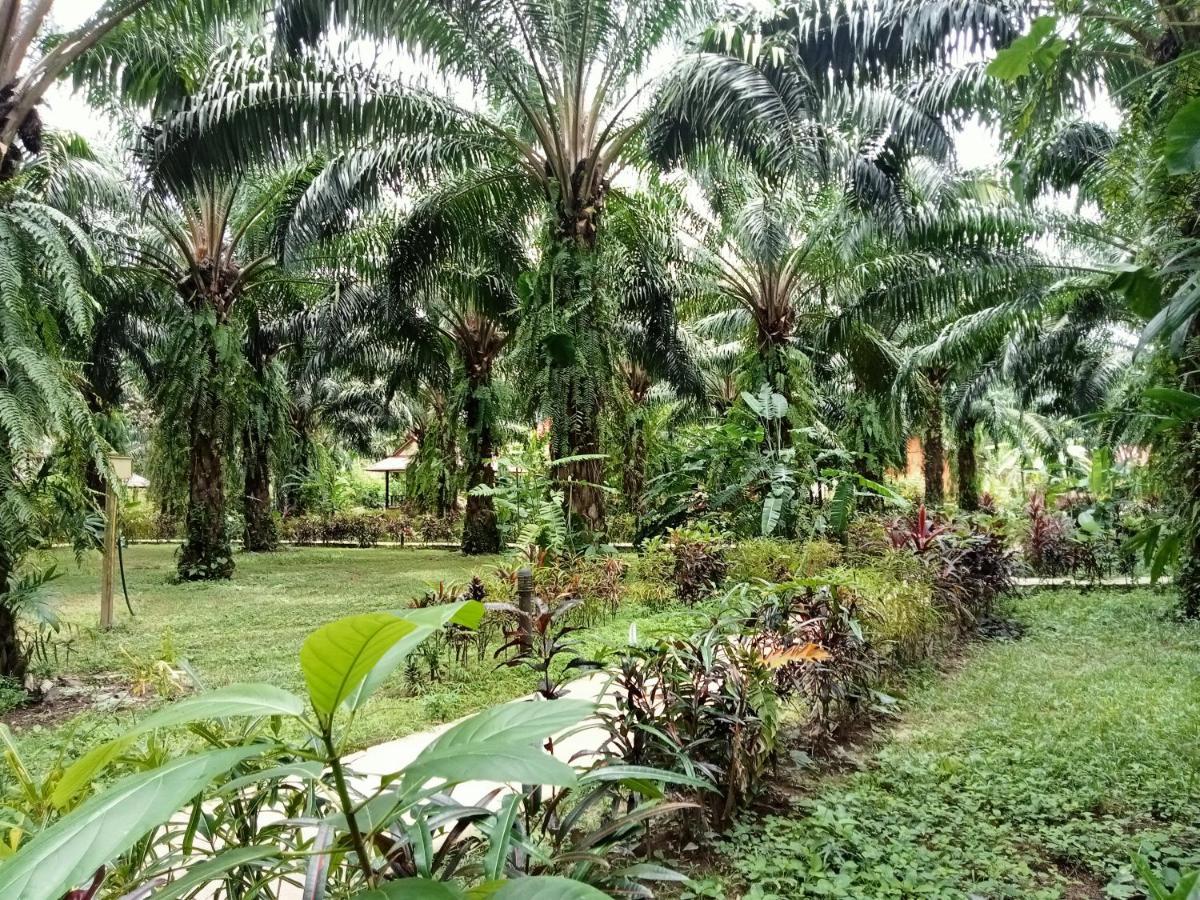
point(214, 254)
point(453, 305)
point(26, 74)
point(565, 89)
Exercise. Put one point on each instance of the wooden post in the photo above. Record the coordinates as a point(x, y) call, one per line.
point(525, 604)
point(119, 467)
point(387, 490)
point(110, 556)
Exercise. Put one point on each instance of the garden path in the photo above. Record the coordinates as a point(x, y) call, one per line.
point(576, 746)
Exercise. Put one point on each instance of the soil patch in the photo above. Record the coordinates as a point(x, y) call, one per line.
point(59, 699)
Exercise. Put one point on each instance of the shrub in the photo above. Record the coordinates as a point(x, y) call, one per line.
point(699, 554)
point(866, 539)
point(363, 530)
point(974, 568)
point(142, 522)
point(705, 707)
point(777, 560)
point(12, 695)
point(438, 529)
point(895, 600)
point(766, 558)
point(655, 562)
point(1048, 546)
point(652, 576)
point(811, 639)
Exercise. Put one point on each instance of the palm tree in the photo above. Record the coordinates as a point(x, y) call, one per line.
point(216, 254)
point(44, 304)
point(25, 76)
point(453, 304)
point(566, 88)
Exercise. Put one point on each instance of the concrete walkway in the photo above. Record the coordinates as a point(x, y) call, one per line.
point(1069, 581)
point(577, 746)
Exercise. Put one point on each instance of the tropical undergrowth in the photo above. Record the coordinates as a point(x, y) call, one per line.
point(1035, 771)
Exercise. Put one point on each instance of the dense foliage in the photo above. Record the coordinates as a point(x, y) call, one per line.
point(705, 282)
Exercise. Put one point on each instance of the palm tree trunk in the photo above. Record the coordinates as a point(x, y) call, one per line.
point(1189, 498)
point(935, 453)
point(634, 477)
point(12, 659)
point(206, 554)
point(968, 471)
point(481, 528)
point(579, 480)
point(261, 534)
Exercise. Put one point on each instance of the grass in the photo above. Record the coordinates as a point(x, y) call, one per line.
point(251, 629)
point(1033, 771)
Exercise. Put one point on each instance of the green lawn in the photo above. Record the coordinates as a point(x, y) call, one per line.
point(1031, 771)
point(251, 629)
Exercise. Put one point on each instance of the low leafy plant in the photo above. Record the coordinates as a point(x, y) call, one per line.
point(1048, 548)
point(12, 695)
point(894, 597)
point(918, 533)
point(700, 566)
point(704, 707)
point(766, 558)
point(256, 811)
point(808, 634)
point(1172, 885)
point(540, 638)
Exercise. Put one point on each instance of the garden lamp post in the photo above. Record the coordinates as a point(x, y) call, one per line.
point(121, 469)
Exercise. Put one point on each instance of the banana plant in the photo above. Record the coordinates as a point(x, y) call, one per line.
point(258, 808)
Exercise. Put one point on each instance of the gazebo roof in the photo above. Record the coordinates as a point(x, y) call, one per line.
point(136, 481)
point(398, 461)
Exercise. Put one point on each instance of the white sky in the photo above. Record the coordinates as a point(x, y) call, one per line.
point(978, 146)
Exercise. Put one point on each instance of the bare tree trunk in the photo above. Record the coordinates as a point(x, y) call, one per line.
point(261, 534)
point(12, 660)
point(633, 479)
point(579, 480)
point(1187, 503)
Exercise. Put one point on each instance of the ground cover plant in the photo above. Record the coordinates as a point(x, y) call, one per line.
point(1033, 769)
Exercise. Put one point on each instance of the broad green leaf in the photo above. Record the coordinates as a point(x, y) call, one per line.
point(468, 613)
point(295, 772)
point(1100, 471)
point(1167, 553)
point(502, 744)
point(501, 836)
point(1181, 140)
point(839, 506)
point(772, 509)
point(642, 773)
point(1038, 48)
point(337, 657)
point(428, 620)
point(1088, 523)
point(412, 889)
point(1183, 402)
point(68, 852)
point(255, 700)
point(213, 869)
point(1141, 287)
point(651, 872)
point(1146, 540)
point(546, 887)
